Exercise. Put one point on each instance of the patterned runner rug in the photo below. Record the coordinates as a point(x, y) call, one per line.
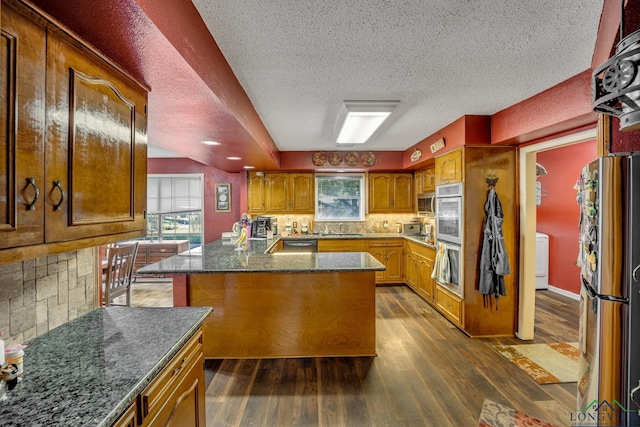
point(545, 363)
point(496, 415)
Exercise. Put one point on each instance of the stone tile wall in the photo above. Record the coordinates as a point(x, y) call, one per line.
point(37, 295)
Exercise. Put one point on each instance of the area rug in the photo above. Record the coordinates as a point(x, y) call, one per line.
point(496, 415)
point(545, 363)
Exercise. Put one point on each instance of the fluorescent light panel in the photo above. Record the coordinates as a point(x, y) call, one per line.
point(362, 119)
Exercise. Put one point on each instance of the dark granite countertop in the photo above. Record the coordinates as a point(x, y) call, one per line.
point(222, 257)
point(87, 371)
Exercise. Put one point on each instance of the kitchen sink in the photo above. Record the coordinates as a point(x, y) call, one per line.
point(344, 234)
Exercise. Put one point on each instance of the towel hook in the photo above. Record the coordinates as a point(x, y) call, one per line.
point(491, 180)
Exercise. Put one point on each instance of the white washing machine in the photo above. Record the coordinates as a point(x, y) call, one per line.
point(542, 261)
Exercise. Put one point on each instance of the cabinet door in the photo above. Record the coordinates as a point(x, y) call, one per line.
point(379, 254)
point(255, 193)
point(418, 181)
point(128, 419)
point(403, 194)
point(425, 283)
point(391, 192)
point(409, 268)
point(186, 405)
point(393, 258)
point(22, 85)
point(389, 252)
point(276, 192)
point(449, 168)
point(96, 148)
point(428, 180)
point(380, 192)
point(302, 191)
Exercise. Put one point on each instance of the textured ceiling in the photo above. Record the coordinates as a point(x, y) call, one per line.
point(298, 60)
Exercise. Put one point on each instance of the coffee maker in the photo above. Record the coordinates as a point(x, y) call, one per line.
point(262, 224)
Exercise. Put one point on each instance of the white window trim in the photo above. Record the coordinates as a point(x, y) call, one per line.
point(363, 195)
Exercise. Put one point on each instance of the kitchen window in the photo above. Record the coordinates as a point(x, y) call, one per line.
point(340, 197)
point(174, 206)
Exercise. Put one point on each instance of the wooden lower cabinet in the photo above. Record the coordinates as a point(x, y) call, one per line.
point(153, 251)
point(418, 266)
point(128, 419)
point(343, 245)
point(388, 252)
point(450, 305)
point(176, 397)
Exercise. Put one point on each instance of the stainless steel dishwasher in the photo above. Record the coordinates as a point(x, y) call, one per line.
point(306, 245)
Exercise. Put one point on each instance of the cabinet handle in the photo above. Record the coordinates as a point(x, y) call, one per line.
point(32, 182)
point(58, 185)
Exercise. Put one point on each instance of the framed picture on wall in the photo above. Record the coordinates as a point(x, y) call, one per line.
point(223, 197)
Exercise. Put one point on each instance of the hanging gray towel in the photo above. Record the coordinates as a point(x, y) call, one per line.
point(494, 262)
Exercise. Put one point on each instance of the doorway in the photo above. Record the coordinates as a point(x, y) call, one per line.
point(527, 288)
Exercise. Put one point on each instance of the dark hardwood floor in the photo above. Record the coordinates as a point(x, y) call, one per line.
point(427, 373)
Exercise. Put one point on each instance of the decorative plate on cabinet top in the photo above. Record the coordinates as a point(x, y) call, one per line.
point(351, 159)
point(368, 159)
point(335, 158)
point(319, 158)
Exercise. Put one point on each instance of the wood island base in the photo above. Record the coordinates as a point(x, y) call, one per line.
point(279, 315)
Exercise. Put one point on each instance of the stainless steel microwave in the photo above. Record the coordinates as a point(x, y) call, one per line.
point(427, 204)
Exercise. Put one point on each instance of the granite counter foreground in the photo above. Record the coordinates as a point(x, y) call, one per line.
point(87, 371)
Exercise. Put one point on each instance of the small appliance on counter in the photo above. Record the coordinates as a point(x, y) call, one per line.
point(262, 224)
point(409, 228)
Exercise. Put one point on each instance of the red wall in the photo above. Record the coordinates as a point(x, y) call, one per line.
point(214, 222)
point(558, 214)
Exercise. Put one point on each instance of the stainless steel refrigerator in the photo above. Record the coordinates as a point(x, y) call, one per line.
point(609, 259)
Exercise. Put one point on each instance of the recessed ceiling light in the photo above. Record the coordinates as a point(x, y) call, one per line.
point(210, 142)
point(249, 167)
point(234, 158)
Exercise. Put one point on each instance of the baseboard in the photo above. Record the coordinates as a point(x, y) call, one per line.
point(564, 293)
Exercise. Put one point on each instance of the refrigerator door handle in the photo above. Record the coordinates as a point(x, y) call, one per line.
point(633, 395)
point(593, 294)
point(635, 271)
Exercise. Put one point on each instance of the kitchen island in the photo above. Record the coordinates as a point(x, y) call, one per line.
point(102, 366)
point(269, 305)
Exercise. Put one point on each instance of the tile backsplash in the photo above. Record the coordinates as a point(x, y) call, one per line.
point(374, 223)
point(37, 295)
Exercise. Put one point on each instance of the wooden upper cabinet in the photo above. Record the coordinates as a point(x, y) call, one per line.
point(277, 187)
point(391, 193)
point(425, 180)
point(255, 192)
point(380, 192)
point(73, 147)
point(280, 192)
point(302, 193)
point(22, 83)
point(96, 145)
point(450, 167)
point(428, 180)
